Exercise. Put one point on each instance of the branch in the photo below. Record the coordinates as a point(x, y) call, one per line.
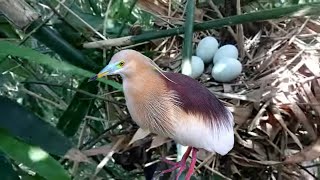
point(291, 11)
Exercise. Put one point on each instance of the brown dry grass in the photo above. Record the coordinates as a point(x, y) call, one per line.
point(275, 101)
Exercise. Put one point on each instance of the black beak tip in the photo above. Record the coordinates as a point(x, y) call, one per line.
point(93, 78)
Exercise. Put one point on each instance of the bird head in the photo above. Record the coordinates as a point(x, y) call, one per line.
point(125, 63)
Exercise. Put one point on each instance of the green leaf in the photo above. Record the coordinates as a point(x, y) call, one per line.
point(23, 124)
point(7, 64)
point(29, 177)
point(71, 119)
point(94, 6)
point(8, 30)
point(6, 170)
point(94, 20)
point(7, 48)
point(32, 157)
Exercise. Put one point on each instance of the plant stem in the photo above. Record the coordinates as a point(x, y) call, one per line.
point(188, 37)
point(291, 11)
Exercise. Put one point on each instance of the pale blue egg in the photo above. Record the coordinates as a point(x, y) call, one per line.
point(195, 69)
point(226, 51)
point(226, 70)
point(207, 48)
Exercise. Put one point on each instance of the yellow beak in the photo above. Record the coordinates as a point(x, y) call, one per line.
point(108, 70)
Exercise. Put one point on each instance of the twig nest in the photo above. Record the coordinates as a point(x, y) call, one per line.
point(197, 67)
point(226, 69)
point(206, 48)
point(226, 51)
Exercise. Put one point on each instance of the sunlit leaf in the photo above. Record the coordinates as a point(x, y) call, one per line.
point(23, 124)
point(33, 157)
point(8, 48)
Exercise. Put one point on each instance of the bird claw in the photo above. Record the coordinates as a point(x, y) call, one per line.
point(182, 164)
point(176, 165)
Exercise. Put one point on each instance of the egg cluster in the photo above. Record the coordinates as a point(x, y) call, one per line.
point(226, 66)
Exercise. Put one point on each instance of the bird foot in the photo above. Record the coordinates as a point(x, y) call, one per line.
point(181, 165)
point(175, 165)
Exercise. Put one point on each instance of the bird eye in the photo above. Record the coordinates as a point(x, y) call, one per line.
point(121, 63)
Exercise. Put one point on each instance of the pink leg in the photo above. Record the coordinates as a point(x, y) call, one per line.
point(168, 161)
point(181, 165)
point(193, 163)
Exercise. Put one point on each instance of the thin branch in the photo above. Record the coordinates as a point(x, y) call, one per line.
point(241, 34)
point(74, 89)
point(307, 171)
point(107, 157)
point(80, 19)
point(102, 135)
point(59, 106)
point(310, 8)
point(80, 141)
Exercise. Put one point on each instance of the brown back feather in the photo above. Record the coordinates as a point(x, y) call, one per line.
point(197, 99)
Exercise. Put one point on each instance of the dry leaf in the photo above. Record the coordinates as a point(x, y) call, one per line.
point(234, 169)
point(252, 163)
point(314, 25)
point(316, 89)
point(270, 130)
point(309, 153)
point(303, 119)
point(278, 117)
point(203, 154)
point(241, 114)
point(104, 161)
point(250, 144)
point(158, 141)
point(99, 150)
point(312, 63)
point(198, 14)
point(256, 120)
point(140, 134)
point(312, 98)
point(155, 7)
point(76, 155)
point(227, 88)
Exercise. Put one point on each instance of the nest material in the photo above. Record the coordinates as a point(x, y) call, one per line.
point(275, 101)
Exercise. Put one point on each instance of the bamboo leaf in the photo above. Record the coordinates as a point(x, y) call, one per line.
point(7, 30)
point(7, 48)
point(6, 170)
point(30, 177)
point(33, 157)
point(23, 124)
point(71, 119)
point(60, 46)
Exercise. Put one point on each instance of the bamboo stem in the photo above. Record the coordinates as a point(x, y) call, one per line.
point(188, 37)
point(18, 12)
point(291, 11)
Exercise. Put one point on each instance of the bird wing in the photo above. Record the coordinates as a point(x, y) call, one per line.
point(197, 99)
point(209, 124)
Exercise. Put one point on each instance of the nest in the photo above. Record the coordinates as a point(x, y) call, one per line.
point(275, 101)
